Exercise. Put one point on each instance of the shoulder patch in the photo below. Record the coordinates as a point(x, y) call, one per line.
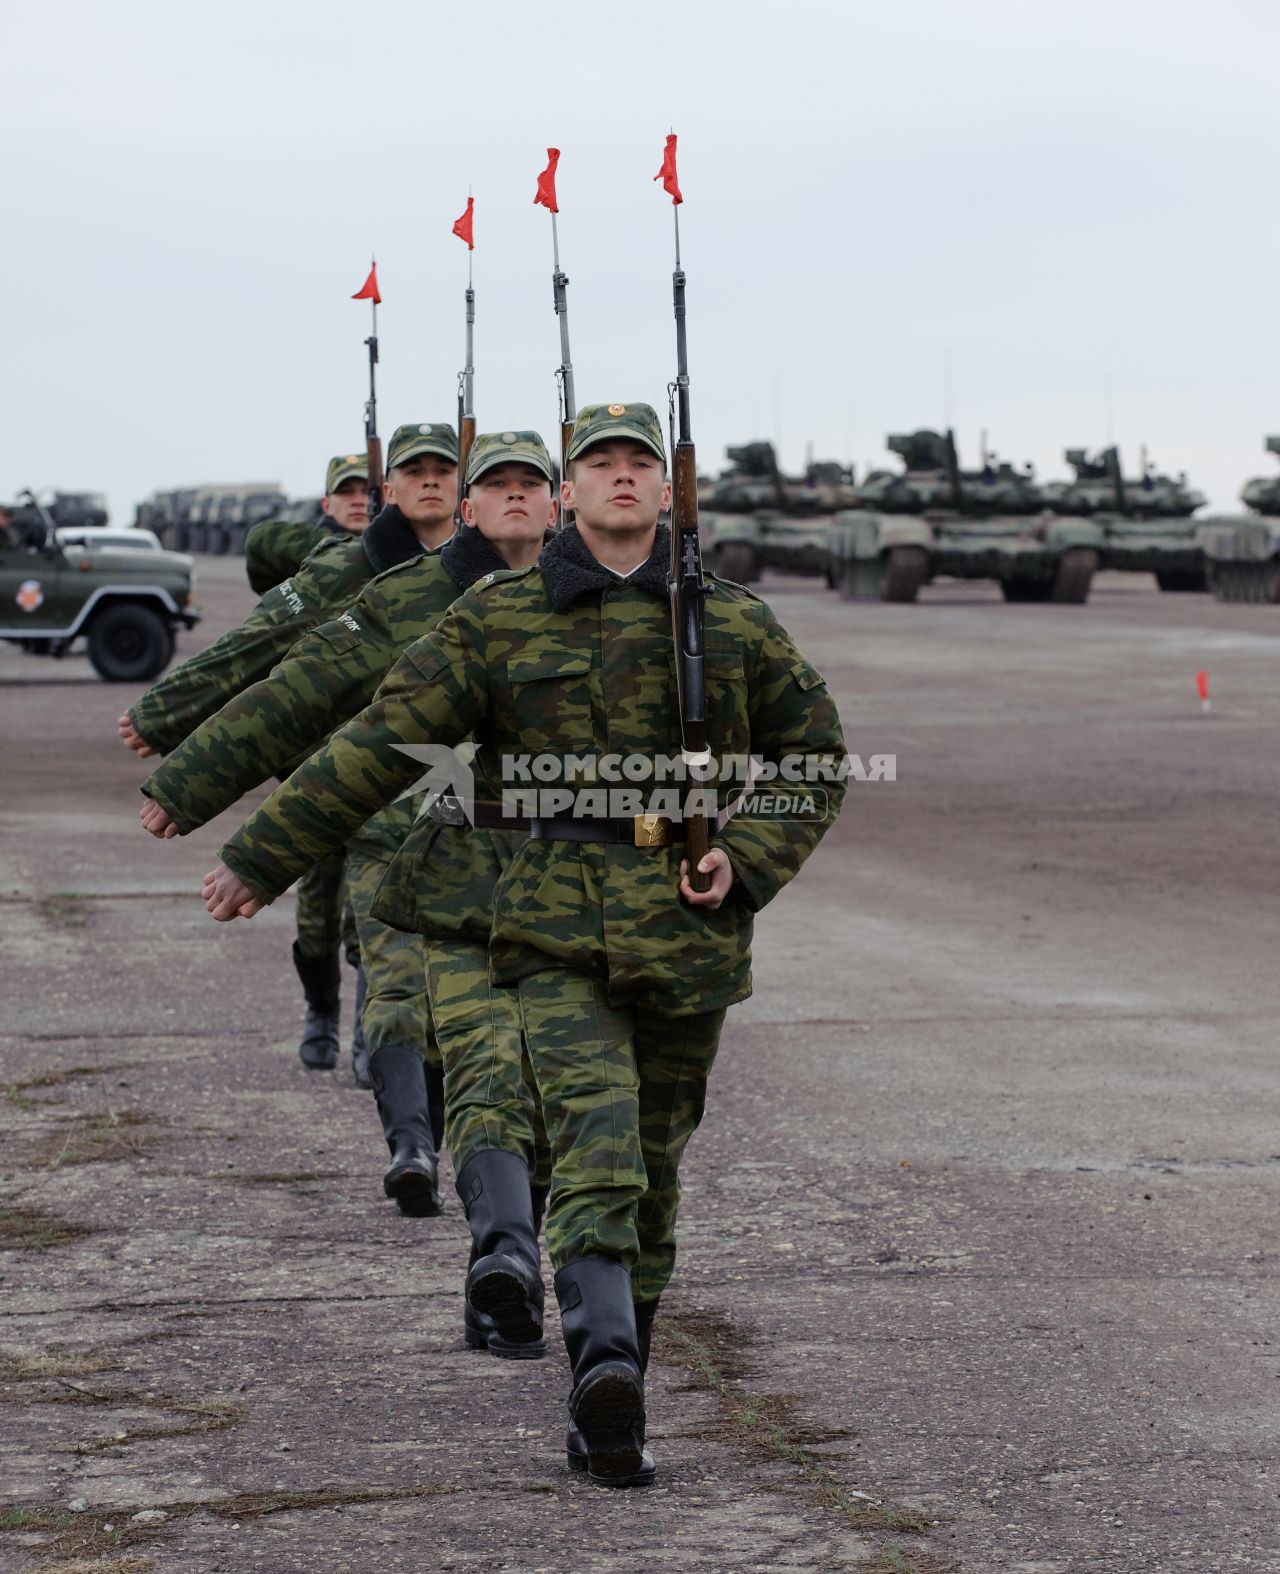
point(503, 576)
point(731, 586)
point(351, 623)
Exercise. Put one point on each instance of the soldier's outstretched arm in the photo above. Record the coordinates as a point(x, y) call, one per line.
point(327, 677)
point(202, 685)
point(435, 694)
point(793, 718)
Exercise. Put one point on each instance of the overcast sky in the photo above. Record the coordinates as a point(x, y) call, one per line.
point(1054, 199)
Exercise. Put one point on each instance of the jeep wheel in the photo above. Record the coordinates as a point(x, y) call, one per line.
point(129, 644)
point(738, 561)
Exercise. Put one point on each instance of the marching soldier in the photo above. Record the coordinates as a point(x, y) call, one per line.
point(421, 492)
point(490, 1116)
point(276, 548)
point(623, 971)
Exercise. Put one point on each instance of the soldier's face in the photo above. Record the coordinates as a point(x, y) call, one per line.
point(424, 489)
point(510, 503)
point(617, 485)
point(348, 506)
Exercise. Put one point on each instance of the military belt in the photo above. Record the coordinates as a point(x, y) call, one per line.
point(640, 830)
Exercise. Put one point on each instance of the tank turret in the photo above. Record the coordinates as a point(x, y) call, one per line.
point(1263, 494)
point(1100, 487)
point(932, 480)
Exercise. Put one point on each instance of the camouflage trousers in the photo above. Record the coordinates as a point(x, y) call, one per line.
point(324, 917)
point(397, 1008)
point(490, 1097)
point(623, 1090)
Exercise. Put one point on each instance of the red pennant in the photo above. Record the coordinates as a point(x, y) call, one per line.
point(546, 194)
point(368, 291)
point(1202, 686)
point(462, 229)
point(667, 174)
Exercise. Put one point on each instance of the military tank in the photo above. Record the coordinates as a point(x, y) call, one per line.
point(931, 519)
point(753, 517)
point(1148, 523)
point(1242, 552)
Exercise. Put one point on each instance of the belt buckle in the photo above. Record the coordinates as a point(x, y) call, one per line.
point(651, 830)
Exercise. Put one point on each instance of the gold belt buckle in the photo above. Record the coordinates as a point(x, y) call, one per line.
point(652, 830)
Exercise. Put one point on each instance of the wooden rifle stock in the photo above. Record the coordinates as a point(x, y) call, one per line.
point(373, 458)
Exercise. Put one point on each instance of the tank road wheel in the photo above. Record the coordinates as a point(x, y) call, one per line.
point(896, 575)
point(905, 569)
point(738, 561)
point(1246, 581)
point(1075, 575)
point(129, 644)
point(1178, 579)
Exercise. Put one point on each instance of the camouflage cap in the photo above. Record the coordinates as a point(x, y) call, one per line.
point(341, 468)
point(407, 442)
point(597, 423)
point(500, 448)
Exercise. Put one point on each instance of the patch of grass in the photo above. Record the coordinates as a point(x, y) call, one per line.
point(203, 1417)
point(33, 1230)
point(893, 1559)
point(66, 909)
point(283, 1177)
point(710, 1350)
point(80, 1545)
point(98, 1139)
point(24, 1366)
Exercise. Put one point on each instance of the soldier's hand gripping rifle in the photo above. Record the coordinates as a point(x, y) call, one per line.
point(464, 230)
point(687, 587)
point(372, 442)
point(546, 196)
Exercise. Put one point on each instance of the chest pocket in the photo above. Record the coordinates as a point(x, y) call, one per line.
point(551, 699)
point(726, 677)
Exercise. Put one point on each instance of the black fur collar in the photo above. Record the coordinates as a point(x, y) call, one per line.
point(468, 556)
point(389, 539)
point(570, 569)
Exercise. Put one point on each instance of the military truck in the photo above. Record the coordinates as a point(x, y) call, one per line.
point(753, 517)
point(1242, 552)
point(930, 519)
point(1148, 523)
point(126, 605)
point(213, 519)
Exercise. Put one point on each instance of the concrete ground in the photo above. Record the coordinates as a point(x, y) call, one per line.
point(979, 1237)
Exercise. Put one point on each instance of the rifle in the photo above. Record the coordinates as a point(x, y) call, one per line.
point(564, 376)
point(368, 291)
point(685, 583)
point(466, 395)
point(545, 197)
point(372, 442)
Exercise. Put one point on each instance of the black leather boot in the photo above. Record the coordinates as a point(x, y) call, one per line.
point(398, 1088)
point(320, 982)
point(575, 1448)
point(504, 1280)
point(359, 1049)
point(435, 1101)
point(479, 1331)
point(606, 1407)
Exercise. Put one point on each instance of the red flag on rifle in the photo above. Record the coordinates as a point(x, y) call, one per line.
point(462, 229)
point(667, 174)
point(546, 194)
point(368, 291)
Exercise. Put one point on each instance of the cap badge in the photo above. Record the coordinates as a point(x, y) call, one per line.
point(617, 409)
point(508, 437)
point(425, 431)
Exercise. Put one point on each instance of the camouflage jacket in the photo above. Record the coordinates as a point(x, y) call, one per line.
point(329, 580)
point(567, 659)
point(326, 678)
point(276, 548)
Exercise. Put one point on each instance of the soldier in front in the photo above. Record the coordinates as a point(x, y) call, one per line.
point(623, 971)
